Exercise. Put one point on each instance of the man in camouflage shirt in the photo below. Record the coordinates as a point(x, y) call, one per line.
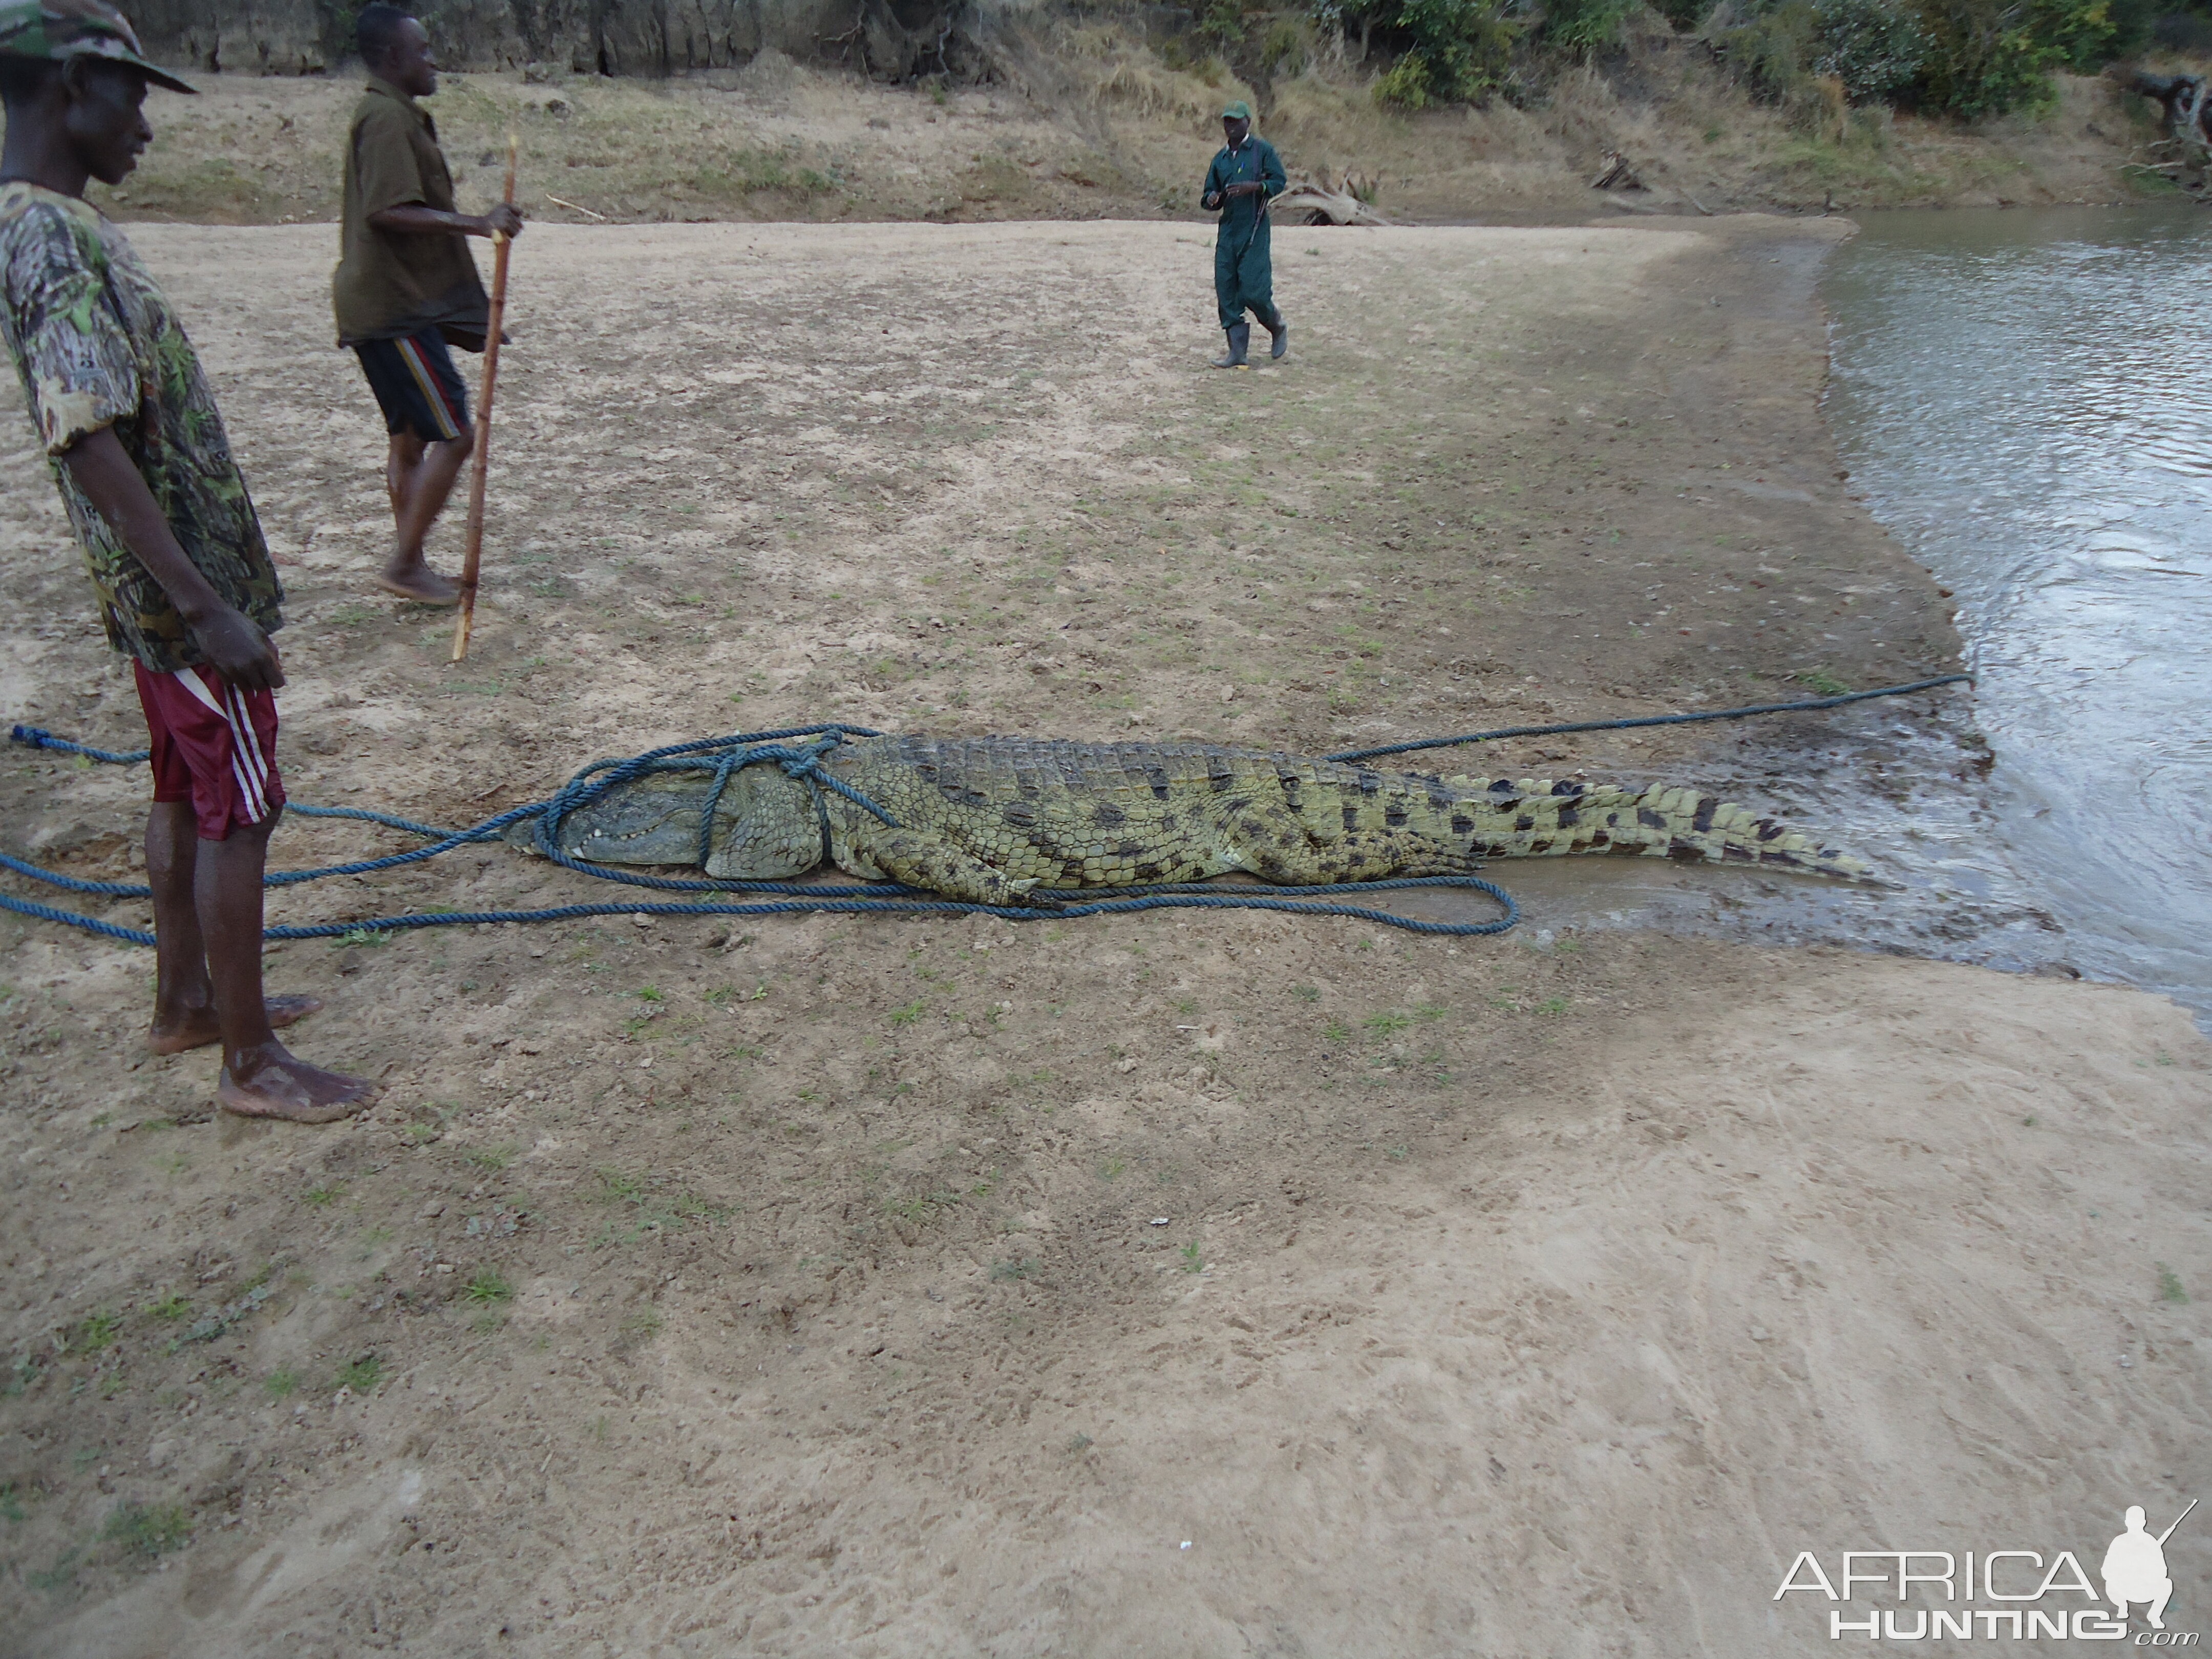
point(170, 540)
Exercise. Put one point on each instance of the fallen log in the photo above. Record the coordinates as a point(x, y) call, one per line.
point(1615, 174)
point(1322, 205)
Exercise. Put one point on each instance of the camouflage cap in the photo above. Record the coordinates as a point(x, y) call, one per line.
point(58, 30)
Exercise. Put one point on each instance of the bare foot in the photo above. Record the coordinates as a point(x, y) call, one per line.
point(422, 584)
point(271, 1082)
point(198, 1029)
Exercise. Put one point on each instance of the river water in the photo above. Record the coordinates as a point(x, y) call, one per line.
point(2024, 398)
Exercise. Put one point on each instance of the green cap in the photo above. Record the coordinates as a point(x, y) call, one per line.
point(1239, 110)
point(58, 30)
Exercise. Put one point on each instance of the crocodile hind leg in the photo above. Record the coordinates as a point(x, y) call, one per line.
point(937, 865)
point(1355, 855)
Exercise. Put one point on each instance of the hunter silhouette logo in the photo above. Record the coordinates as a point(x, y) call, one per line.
point(2135, 1567)
point(2017, 1581)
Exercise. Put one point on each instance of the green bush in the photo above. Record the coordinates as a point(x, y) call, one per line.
point(1584, 25)
point(1769, 47)
point(1406, 84)
point(1286, 49)
point(1875, 50)
point(1450, 50)
point(1983, 58)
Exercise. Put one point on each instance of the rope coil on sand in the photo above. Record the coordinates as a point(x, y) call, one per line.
point(725, 756)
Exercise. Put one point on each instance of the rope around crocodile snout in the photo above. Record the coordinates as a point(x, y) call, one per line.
point(724, 757)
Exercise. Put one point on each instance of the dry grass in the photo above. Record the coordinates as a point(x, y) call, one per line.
point(1116, 131)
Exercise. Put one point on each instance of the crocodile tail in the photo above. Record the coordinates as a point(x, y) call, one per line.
point(1538, 816)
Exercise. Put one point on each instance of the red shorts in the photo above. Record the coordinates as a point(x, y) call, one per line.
point(214, 745)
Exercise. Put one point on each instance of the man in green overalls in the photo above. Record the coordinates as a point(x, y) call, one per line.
point(1245, 175)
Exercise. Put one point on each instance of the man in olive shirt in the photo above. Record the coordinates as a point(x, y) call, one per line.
point(406, 287)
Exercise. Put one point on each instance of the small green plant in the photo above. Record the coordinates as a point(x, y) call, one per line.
point(95, 1331)
point(488, 1286)
point(1386, 1024)
point(2169, 1285)
point(148, 1529)
point(1306, 992)
point(647, 994)
point(11, 1507)
point(361, 1374)
point(645, 1323)
point(1822, 682)
point(61, 1575)
point(908, 1015)
point(1335, 1031)
point(492, 1157)
point(488, 1322)
point(719, 995)
point(1192, 1260)
point(282, 1383)
point(171, 1306)
point(1001, 1272)
point(1078, 1444)
point(356, 937)
point(1552, 1006)
point(1395, 1154)
point(322, 1196)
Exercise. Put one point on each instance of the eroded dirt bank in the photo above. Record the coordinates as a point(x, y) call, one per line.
point(922, 1287)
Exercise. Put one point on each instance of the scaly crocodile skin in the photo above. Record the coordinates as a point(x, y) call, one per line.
point(994, 820)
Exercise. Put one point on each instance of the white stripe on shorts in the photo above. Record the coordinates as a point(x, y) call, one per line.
point(243, 741)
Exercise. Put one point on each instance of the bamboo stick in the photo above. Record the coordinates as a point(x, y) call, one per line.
point(480, 471)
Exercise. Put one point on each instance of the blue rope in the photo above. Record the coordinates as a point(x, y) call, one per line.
point(723, 757)
point(1648, 720)
point(1111, 901)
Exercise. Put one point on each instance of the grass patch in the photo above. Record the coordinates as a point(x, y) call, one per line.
point(282, 1383)
point(148, 1529)
point(96, 1331)
point(651, 1209)
point(488, 1286)
point(362, 1374)
point(2169, 1285)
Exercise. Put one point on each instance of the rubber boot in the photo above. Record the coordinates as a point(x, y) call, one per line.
point(1240, 340)
point(1280, 331)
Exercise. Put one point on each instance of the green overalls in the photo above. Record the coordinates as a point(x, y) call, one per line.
point(1243, 263)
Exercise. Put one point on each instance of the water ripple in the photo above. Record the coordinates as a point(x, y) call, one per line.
point(2020, 395)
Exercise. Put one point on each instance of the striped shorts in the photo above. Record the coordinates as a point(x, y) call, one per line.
point(214, 745)
point(417, 386)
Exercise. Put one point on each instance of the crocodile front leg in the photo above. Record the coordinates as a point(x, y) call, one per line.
point(927, 861)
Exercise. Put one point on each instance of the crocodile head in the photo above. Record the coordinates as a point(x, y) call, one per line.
point(765, 826)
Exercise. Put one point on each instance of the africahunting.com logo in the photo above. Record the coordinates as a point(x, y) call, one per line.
point(2028, 1596)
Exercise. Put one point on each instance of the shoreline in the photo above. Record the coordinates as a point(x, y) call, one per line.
point(817, 1297)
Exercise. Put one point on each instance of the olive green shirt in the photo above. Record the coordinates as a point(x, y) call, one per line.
point(99, 348)
point(386, 286)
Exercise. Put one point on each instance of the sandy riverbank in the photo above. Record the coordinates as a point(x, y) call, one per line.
point(1535, 1295)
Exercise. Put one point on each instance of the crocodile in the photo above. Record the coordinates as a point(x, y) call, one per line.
point(1010, 820)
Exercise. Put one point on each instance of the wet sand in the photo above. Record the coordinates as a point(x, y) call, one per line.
point(1539, 1294)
